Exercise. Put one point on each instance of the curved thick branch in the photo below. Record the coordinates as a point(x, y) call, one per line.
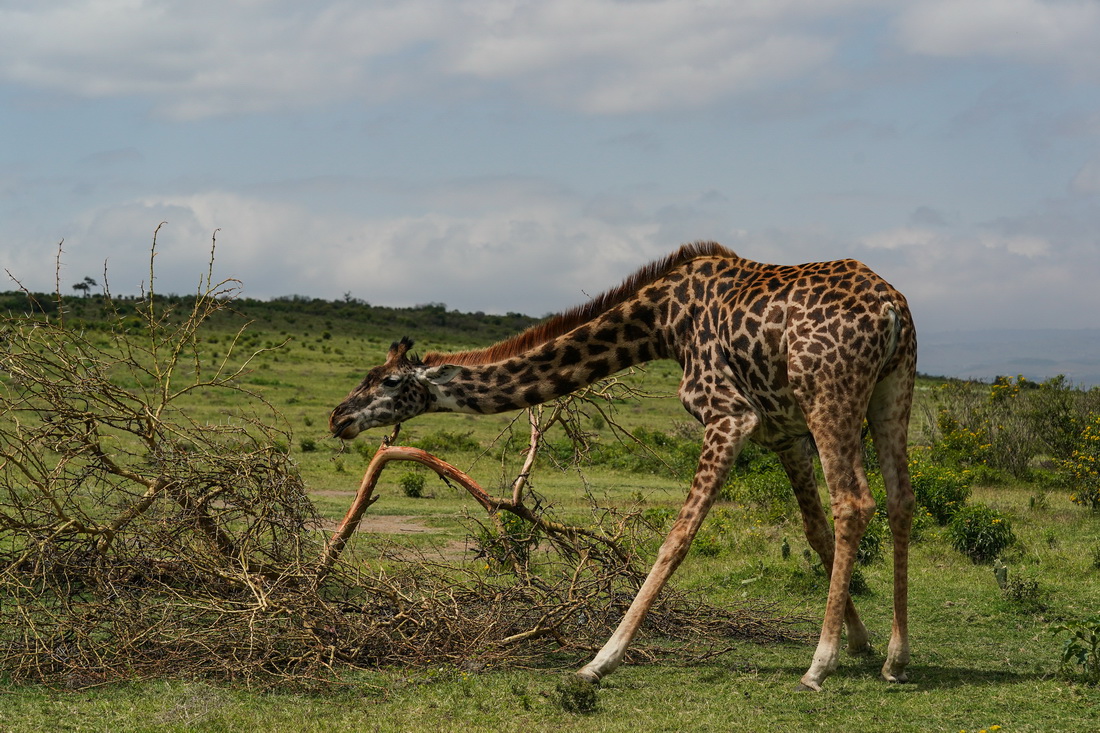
point(386, 453)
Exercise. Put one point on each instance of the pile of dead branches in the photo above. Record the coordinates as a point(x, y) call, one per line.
point(138, 541)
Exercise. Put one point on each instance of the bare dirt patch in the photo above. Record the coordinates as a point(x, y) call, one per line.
point(402, 524)
point(385, 524)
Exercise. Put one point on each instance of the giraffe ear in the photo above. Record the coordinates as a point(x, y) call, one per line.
point(440, 374)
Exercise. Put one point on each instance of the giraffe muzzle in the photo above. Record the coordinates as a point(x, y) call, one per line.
point(345, 429)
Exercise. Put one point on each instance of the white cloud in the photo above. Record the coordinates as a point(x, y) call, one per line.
point(900, 237)
point(197, 58)
point(1061, 32)
point(613, 57)
point(200, 58)
point(1027, 272)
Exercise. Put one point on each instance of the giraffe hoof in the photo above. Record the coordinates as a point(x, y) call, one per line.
point(807, 687)
point(586, 675)
point(863, 650)
point(899, 679)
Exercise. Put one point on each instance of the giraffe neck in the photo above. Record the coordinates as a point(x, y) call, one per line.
point(623, 336)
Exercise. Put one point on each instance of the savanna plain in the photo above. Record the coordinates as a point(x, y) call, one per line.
point(1004, 578)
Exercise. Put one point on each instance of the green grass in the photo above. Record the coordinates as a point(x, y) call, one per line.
point(980, 658)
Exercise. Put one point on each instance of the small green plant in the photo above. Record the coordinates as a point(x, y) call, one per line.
point(713, 537)
point(870, 546)
point(522, 696)
point(980, 533)
point(1096, 557)
point(308, 445)
point(1025, 593)
point(412, 484)
point(858, 585)
point(574, 695)
point(507, 541)
point(1081, 649)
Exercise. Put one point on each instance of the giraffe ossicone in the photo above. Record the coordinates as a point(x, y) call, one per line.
point(775, 354)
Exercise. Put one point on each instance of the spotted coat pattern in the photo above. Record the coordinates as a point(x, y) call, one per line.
point(786, 356)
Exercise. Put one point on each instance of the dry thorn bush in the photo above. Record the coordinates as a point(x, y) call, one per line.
point(137, 540)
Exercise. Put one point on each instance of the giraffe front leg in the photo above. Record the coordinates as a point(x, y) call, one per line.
point(722, 441)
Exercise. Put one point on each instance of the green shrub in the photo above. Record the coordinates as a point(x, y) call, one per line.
point(858, 585)
point(980, 533)
point(768, 490)
point(412, 484)
point(447, 441)
point(574, 695)
point(707, 544)
point(754, 459)
point(648, 451)
point(308, 445)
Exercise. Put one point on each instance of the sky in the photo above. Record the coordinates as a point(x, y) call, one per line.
point(523, 156)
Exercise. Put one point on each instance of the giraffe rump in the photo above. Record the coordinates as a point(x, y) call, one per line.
point(570, 319)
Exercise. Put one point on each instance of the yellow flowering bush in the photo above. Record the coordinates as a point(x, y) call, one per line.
point(940, 490)
point(1082, 468)
point(960, 444)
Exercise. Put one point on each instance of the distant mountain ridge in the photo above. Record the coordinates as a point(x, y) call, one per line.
point(1037, 354)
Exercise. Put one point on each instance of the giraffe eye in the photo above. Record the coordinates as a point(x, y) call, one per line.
point(391, 381)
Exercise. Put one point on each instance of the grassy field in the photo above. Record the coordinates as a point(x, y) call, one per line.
point(983, 658)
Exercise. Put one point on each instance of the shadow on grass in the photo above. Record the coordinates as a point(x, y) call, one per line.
point(921, 677)
point(934, 677)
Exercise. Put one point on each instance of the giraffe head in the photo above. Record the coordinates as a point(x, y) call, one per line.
point(398, 390)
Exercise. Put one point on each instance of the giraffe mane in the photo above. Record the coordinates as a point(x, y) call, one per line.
point(568, 320)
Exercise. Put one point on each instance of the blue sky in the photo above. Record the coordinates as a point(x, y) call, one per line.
point(520, 156)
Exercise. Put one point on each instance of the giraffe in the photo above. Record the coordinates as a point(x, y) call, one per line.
point(790, 357)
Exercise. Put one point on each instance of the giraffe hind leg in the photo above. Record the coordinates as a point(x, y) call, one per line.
point(889, 419)
point(836, 428)
point(798, 464)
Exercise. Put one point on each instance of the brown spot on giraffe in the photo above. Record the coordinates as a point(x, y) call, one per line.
point(776, 354)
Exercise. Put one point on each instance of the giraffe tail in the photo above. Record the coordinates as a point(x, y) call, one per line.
point(894, 326)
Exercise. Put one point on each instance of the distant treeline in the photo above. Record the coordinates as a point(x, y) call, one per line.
point(430, 323)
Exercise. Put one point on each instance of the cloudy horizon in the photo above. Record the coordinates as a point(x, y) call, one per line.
point(519, 156)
